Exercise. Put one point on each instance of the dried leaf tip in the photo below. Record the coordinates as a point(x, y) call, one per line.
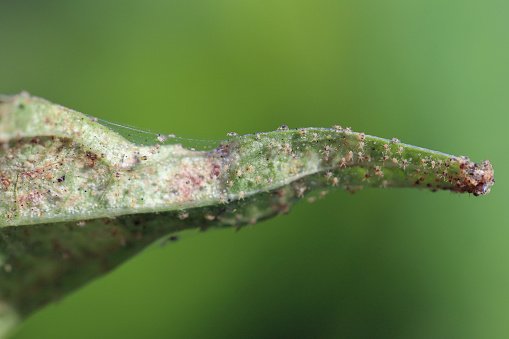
point(474, 178)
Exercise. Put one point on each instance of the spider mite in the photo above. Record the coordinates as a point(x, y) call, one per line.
point(161, 138)
point(328, 175)
point(300, 192)
point(379, 172)
point(349, 156)
point(326, 150)
point(404, 163)
point(342, 163)
point(287, 148)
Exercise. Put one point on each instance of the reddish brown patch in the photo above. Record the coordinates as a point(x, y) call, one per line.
point(90, 159)
point(215, 171)
point(40, 171)
point(473, 178)
point(6, 182)
point(33, 197)
point(223, 150)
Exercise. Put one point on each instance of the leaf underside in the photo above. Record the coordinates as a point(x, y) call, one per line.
point(77, 198)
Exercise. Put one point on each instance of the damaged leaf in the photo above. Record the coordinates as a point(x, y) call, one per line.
point(77, 198)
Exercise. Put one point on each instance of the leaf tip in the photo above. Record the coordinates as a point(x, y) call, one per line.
point(474, 178)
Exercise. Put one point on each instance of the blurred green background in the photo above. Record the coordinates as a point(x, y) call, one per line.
point(380, 263)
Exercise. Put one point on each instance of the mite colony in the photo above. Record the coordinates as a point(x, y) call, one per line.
point(80, 175)
point(57, 165)
point(49, 175)
point(349, 160)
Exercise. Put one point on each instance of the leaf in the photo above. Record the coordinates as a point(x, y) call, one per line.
point(77, 198)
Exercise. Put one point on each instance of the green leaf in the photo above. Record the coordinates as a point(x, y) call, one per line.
point(77, 198)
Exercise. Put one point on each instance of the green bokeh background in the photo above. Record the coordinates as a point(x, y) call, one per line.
point(380, 263)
